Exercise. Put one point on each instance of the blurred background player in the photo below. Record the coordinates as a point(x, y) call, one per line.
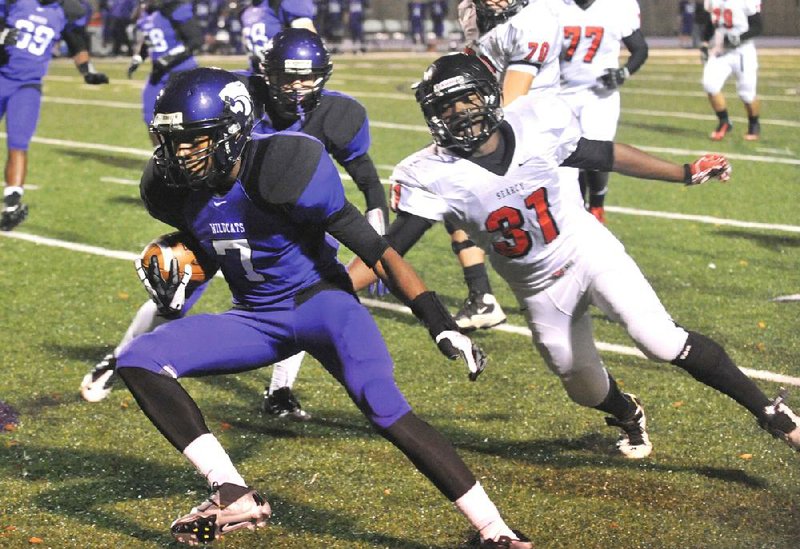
point(333, 29)
point(263, 19)
point(437, 10)
point(168, 33)
point(120, 17)
point(290, 95)
point(731, 27)
point(591, 77)
point(29, 31)
point(355, 23)
point(685, 23)
point(416, 22)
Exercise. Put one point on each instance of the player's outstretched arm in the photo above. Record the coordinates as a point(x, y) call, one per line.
point(634, 162)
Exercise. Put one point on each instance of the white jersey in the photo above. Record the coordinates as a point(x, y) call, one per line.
point(729, 17)
point(530, 42)
point(592, 40)
point(526, 220)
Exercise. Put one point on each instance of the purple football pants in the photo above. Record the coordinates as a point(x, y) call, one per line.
point(332, 326)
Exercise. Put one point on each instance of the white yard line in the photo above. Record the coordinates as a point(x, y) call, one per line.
point(376, 304)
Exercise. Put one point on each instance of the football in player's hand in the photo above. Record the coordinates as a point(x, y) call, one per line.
point(169, 246)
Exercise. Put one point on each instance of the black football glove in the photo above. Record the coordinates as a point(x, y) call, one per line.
point(704, 53)
point(169, 295)
point(95, 78)
point(8, 36)
point(614, 78)
point(454, 345)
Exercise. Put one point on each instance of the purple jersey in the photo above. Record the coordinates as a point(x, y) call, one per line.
point(40, 28)
point(160, 33)
point(260, 23)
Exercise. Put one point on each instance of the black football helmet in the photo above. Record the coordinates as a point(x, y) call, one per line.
point(294, 54)
point(460, 77)
point(491, 13)
point(211, 109)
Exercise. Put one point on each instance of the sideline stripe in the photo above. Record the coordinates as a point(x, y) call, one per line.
point(377, 304)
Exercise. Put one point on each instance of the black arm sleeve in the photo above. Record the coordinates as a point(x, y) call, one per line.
point(637, 45)
point(592, 155)
point(708, 27)
point(351, 228)
point(755, 27)
point(365, 176)
point(406, 230)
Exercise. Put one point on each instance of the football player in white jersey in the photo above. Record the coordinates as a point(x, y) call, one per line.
point(520, 40)
point(494, 172)
point(591, 76)
point(731, 27)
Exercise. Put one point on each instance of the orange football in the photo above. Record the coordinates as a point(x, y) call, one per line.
point(169, 246)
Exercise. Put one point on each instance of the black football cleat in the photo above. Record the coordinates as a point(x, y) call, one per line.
point(283, 404)
point(97, 383)
point(14, 212)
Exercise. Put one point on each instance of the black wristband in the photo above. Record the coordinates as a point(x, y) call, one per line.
point(687, 174)
point(431, 311)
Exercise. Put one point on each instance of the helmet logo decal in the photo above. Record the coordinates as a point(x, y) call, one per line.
point(298, 65)
point(236, 96)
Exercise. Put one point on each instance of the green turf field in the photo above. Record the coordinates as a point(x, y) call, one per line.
point(74, 474)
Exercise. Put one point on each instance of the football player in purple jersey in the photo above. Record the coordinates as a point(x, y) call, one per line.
point(169, 35)
point(264, 211)
point(263, 19)
point(290, 94)
point(29, 29)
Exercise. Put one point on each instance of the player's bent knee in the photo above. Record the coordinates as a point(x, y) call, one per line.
point(382, 402)
point(587, 386)
point(145, 352)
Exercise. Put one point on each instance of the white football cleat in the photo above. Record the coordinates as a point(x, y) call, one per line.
point(479, 311)
point(97, 384)
point(633, 443)
point(212, 519)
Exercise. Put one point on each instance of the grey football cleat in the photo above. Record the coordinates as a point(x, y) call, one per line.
point(781, 422)
point(213, 519)
point(479, 311)
point(97, 384)
point(633, 443)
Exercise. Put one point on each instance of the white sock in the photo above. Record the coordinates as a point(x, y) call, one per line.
point(11, 189)
point(212, 461)
point(145, 320)
point(482, 514)
point(285, 372)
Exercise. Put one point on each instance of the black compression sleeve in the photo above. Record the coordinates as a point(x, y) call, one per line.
point(406, 230)
point(365, 176)
point(592, 155)
point(166, 404)
point(755, 27)
point(638, 48)
point(351, 228)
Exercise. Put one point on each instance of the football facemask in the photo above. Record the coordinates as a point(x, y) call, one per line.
point(491, 13)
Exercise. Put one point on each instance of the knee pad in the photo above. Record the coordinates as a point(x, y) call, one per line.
point(382, 402)
point(747, 93)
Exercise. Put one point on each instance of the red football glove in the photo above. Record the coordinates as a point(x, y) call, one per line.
point(708, 167)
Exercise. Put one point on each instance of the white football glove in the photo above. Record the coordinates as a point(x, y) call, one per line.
point(454, 344)
point(169, 295)
point(377, 220)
